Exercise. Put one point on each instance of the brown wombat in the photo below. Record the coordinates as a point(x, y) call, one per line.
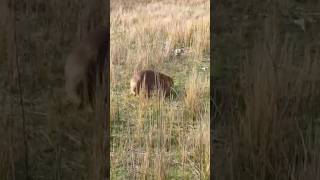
point(81, 68)
point(148, 81)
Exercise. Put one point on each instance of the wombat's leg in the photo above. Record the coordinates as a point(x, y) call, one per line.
point(138, 89)
point(73, 82)
point(72, 93)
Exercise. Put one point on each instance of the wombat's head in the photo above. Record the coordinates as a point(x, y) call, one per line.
point(168, 82)
point(133, 86)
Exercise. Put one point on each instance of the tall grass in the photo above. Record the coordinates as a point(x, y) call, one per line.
point(273, 136)
point(160, 138)
point(7, 123)
point(59, 137)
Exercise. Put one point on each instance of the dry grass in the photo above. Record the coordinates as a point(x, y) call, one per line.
point(160, 138)
point(59, 138)
point(275, 116)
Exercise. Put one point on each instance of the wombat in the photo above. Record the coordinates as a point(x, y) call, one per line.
point(148, 81)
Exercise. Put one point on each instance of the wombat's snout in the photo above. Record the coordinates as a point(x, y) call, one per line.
point(133, 86)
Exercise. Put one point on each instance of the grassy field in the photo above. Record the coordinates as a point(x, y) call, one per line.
point(39, 135)
point(266, 92)
point(160, 138)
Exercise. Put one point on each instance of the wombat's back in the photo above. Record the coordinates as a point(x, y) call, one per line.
point(96, 39)
point(150, 80)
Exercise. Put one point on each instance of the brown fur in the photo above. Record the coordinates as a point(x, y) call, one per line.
point(80, 68)
point(148, 81)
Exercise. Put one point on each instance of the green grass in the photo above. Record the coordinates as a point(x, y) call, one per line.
point(160, 138)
